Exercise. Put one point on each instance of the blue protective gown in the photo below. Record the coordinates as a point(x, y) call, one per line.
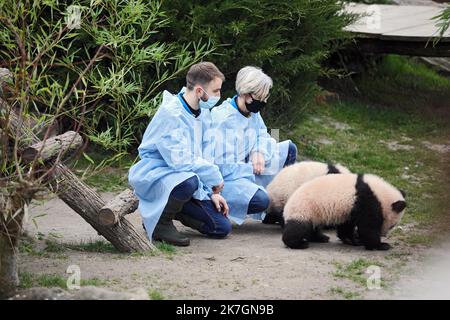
point(175, 147)
point(236, 137)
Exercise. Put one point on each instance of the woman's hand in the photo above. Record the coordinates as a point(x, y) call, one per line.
point(257, 159)
point(218, 188)
point(220, 203)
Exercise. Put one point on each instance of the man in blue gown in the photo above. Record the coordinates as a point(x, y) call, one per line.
point(176, 177)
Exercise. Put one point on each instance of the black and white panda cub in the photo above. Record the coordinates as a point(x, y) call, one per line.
point(290, 179)
point(349, 201)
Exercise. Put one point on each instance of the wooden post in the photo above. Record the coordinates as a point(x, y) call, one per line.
point(112, 213)
point(83, 199)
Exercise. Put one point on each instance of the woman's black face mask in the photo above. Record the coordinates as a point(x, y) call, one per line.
point(255, 106)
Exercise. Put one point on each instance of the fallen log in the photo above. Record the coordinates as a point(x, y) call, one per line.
point(83, 199)
point(112, 213)
point(49, 149)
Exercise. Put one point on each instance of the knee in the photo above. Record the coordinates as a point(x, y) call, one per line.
point(185, 189)
point(259, 202)
point(222, 229)
point(292, 154)
point(292, 148)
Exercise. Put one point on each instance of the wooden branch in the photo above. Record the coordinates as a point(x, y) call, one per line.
point(48, 150)
point(83, 199)
point(125, 203)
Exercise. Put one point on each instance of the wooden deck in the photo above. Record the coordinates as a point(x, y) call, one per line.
point(408, 30)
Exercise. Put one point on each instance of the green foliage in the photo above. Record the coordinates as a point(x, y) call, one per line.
point(287, 39)
point(29, 280)
point(355, 270)
point(103, 75)
point(155, 295)
point(443, 21)
point(346, 294)
point(396, 79)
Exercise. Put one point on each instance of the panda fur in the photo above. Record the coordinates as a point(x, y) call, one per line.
point(291, 178)
point(349, 201)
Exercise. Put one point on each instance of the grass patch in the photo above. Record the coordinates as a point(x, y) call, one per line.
point(360, 136)
point(149, 253)
point(419, 239)
point(26, 245)
point(166, 248)
point(400, 256)
point(54, 246)
point(155, 295)
point(56, 249)
point(355, 271)
point(29, 280)
point(102, 171)
point(98, 246)
point(109, 180)
point(406, 84)
point(26, 280)
point(163, 248)
point(346, 294)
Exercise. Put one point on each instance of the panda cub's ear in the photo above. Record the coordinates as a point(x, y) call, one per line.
point(399, 206)
point(403, 193)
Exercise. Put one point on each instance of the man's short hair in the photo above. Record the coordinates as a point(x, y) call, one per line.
point(202, 73)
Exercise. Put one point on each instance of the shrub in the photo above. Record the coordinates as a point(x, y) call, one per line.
point(288, 39)
point(105, 72)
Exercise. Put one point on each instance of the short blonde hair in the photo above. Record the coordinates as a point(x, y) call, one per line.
point(253, 80)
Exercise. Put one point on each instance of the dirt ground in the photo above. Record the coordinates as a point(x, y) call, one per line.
point(252, 263)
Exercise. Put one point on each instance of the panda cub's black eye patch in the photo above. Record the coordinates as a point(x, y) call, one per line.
point(399, 206)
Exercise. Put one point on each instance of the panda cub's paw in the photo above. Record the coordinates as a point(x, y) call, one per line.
point(352, 241)
point(320, 237)
point(384, 246)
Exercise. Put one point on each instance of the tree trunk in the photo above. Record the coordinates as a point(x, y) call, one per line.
point(83, 199)
point(112, 213)
point(10, 232)
point(64, 143)
point(9, 278)
point(87, 203)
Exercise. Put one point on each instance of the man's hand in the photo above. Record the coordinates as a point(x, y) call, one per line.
point(218, 188)
point(257, 159)
point(220, 203)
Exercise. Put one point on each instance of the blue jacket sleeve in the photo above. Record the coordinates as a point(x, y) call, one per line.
point(265, 144)
point(183, 153)
point(230, 151)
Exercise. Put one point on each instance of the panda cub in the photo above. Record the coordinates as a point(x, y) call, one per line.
point(349, 201)
point(290, 179)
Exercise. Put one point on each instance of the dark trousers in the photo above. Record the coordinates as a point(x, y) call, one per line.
point(216, 225)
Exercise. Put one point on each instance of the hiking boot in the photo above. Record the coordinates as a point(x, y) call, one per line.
point(165, 230)
point(190, 222)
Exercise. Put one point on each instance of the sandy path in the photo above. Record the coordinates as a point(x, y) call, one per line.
point(252, 263)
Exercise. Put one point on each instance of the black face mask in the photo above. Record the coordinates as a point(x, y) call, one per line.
point(255, 106)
